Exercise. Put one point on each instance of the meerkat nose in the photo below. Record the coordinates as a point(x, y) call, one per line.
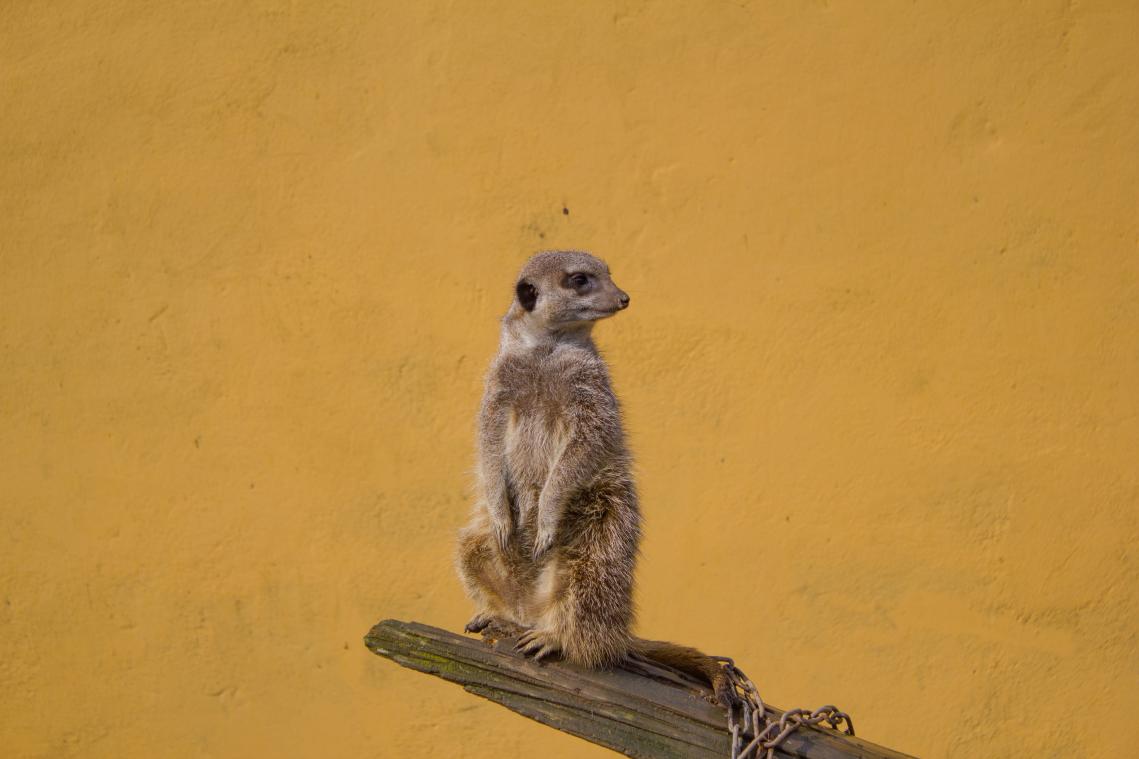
point(623, 298)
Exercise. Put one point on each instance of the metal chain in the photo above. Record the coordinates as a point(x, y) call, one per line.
point(765, 731)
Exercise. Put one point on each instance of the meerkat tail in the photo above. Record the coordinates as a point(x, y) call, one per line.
point(691, 662)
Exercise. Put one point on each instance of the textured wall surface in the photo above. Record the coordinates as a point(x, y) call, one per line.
point(881, 368)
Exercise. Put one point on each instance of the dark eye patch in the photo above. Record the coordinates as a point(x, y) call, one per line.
point(527, 294)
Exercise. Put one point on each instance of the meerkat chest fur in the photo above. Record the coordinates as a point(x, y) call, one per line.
point(537, 430)
point(545, 395)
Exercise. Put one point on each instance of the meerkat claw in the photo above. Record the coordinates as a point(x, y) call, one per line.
point(547, 650)
point(537, 645)
point(478, 623)
point(502, 536)
point(542, 543)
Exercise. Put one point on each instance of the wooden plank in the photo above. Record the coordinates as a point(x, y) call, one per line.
point(640, 710)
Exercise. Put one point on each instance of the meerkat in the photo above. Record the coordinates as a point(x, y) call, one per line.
point(550, 550)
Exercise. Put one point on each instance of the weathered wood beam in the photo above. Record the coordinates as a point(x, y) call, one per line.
point(639, 710)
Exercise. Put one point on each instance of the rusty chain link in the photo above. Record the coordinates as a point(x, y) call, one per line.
point(765, 731)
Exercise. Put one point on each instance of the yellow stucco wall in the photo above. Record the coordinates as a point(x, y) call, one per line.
point(881, 369)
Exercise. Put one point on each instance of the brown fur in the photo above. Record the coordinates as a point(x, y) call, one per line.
point(551, 546)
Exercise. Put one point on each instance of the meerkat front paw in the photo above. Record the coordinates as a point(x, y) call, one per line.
point(543, 540)
point(502, 529)
point(478, 623)
point(538, 644)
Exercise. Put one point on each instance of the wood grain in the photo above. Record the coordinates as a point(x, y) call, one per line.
point(640, 710)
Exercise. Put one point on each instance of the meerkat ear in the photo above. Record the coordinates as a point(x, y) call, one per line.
point(527, 294)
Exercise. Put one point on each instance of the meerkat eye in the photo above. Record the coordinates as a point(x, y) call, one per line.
point(578, 281)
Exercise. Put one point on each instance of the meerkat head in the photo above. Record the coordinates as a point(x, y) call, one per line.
point(566, 290)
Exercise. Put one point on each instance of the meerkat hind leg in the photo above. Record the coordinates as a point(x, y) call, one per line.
point(487, 586)
point(583, 620)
